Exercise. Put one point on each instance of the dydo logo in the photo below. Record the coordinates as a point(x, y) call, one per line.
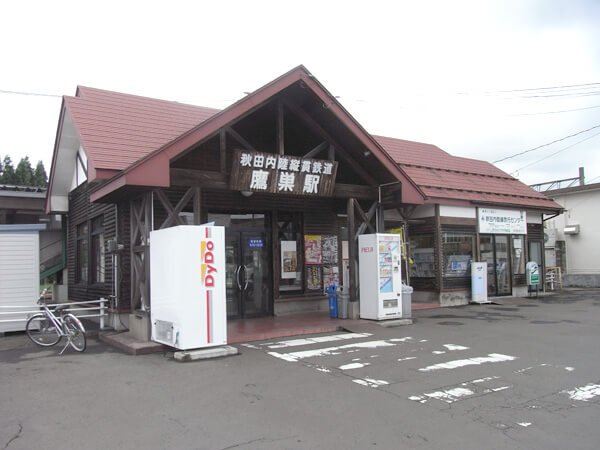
point(208, 271)
point(207, 256)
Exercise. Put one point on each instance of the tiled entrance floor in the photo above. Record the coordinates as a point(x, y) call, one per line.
point(245, 330)
point(263, 328)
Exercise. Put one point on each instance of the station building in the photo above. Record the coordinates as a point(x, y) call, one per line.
point(295, 179)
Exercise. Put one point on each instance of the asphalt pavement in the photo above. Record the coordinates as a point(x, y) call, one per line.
point(520, 374)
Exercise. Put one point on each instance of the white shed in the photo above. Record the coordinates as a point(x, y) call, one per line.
point(19, 272)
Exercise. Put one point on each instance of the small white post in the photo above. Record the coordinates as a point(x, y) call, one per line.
point(102, 300)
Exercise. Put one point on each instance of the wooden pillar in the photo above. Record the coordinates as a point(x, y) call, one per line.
point(276, 254)
point(222, 150)
point(439, 257)
point(280, 132)
point(352, 251)
point(380, 219)
point(141, 225)
point(197, 205)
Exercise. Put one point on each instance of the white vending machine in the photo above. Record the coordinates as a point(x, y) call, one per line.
point(380, 276)
point(479, 282)
point(187, 286)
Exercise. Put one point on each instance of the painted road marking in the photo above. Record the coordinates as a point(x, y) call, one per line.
point(459, 392)
point(355, 365)
point(584, 393)
point(317, 340)
point(454, 347)
point(370, 382)
point(295, 356)
point(491, 358)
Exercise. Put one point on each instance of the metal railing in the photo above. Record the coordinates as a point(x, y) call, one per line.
point(28, 311)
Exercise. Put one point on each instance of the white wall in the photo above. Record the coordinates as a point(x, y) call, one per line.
point(19, 275)
point(468, 212)
point(583, 249)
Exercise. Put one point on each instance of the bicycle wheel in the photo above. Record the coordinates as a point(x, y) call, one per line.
point(42, 331)
point(76, 332)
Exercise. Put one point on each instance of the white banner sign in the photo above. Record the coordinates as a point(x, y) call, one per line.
point(502, 221)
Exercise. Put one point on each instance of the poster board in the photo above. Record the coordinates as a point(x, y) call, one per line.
point(289, 259)
point(312, 249)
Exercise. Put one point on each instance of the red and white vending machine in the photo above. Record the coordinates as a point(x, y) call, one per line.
point(187, 286)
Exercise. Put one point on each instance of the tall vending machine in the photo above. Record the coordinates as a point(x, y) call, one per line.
point(380, 276)
point(187, 286)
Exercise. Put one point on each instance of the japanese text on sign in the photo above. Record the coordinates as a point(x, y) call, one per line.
point(502, 221)
point(266, 172)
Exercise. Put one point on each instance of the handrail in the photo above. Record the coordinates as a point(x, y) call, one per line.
point(102, 313)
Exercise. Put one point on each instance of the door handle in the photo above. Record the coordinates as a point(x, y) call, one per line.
point(237, 277)
point(245, 278)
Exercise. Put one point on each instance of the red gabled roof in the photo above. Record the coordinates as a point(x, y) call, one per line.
point(118, 129)
point(133, 138)
point(441, 176)
point(153, 168)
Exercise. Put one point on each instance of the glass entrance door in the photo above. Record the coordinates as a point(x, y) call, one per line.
point(248, 274)
point(494, 250)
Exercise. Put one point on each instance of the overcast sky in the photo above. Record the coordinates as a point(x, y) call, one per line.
point(429, 71)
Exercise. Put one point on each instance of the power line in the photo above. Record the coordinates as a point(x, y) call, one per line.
point(581, 86)
point(35, 94)
point(556, 153)
point(544, 145)
point(555, 112)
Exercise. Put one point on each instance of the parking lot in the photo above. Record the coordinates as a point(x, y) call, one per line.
point(520, 374)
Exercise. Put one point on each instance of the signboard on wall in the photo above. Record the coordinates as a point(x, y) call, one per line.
point(501, 221)
point(282, 174)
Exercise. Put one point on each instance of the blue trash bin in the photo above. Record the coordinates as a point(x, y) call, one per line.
point(333, 309)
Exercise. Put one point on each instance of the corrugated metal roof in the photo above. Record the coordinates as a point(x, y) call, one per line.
point(118, 129)
point(443, 176)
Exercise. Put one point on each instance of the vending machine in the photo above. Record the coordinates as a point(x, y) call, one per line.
point(187, 284)
point(380, 276)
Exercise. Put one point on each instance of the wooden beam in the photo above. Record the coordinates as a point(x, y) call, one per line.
point(276, 253)
point(352, 253)
point(174, 215)
point(341, 190)
point(197, 205)
point(318, 149)
point(199, 178)
point(280, 129)
point(439, 257)
point(325, 135)
point(240, 139)
point(222, 151)
point(380, 219)
point(366, 218)
point(331, 153)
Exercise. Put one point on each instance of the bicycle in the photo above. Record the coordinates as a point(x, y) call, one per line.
point(46, 329)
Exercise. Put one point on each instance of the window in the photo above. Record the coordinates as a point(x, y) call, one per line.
point(82, 257)
point(290, 243)
point(422, 256)
point(518, 255)
point(98, 257)
point(90, 257)
point(457, 253)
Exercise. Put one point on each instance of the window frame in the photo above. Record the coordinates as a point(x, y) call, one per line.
point(90, 243)
point(445, 261)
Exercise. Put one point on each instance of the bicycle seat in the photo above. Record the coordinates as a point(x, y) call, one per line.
point(61, 308)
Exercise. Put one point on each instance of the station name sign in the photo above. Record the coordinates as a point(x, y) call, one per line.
point(282, 174)
point(502, 221)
